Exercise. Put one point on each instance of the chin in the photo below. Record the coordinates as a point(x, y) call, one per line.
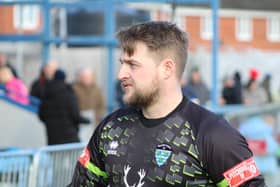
point(128, 99)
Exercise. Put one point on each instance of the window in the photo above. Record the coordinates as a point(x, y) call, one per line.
point(26, 17)
point(273, 28)
point(243, 29)
point(206, 25)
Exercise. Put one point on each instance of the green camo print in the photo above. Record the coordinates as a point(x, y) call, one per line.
point(182, 167)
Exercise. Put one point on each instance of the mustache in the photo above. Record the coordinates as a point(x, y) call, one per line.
point(125, 83)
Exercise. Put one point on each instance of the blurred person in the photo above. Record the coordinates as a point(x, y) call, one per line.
point(238, 87)
point(196, 88)
point(14, 87)
point(266, 84)
point(59, 111)
point(231, 93)
point(90, 99)
point(254, 94)
point(190, 95)
point(46, 74)
point(228, 94)
point(4, 62)
point(162, 139)
point(259, 133)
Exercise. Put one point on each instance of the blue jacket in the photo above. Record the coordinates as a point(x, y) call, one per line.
point(256, 128)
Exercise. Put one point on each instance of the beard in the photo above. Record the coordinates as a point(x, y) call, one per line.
point(143, 97)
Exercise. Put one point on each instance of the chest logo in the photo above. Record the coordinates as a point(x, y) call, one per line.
point(112, 148)
point(163, 152)
point(141, 174)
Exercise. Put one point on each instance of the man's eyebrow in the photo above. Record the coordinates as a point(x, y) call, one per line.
point(128, 61)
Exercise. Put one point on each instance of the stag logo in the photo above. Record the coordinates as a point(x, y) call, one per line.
point(141, 174)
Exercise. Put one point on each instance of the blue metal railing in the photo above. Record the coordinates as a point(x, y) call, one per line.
point(46, 166)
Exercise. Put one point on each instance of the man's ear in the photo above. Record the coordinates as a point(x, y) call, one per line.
point(168, 68)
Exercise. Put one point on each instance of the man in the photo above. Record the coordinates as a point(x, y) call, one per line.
point(46, 74)
point(15, 89)
point(196, 88)
point(5, 63)
point(163, 139)
point(89, 94)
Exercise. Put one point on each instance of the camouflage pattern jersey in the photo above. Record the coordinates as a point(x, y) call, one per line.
point(189, 147)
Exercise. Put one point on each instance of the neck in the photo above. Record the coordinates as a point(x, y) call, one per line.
point(165, 104)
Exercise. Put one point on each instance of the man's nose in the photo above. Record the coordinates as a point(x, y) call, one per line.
point(123, 72)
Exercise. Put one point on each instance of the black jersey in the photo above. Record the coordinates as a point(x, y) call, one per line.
point(189, 147)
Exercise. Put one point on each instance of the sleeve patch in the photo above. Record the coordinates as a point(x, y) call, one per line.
point(85, 157)
point(241, 172)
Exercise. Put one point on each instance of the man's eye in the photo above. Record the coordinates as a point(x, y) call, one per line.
point(132, 65)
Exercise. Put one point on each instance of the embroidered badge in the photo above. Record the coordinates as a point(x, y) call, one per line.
point(163, 152)
point(241, 173)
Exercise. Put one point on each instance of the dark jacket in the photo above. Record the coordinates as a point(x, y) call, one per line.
point(38, 86)
point(60, 113)
point(229, 95)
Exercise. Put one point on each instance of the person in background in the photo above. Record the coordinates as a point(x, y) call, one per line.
point(90, 96)
point(14, 87)
point(228, 94)
point(232, 90)
point(266, 84)
point(259, 132)
point(162, 139)
point(196, 88)
point(254, 94)
point(46, 74)
point(4, 63)
point(59, 111)
point(238, 87)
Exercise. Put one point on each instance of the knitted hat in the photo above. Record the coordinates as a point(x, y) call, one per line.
point(254, 73)
point(59, 75)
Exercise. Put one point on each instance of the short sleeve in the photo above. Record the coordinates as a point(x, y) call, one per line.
point(225, 154)
point(90, 171)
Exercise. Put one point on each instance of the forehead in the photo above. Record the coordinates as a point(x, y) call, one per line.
point(140, 51)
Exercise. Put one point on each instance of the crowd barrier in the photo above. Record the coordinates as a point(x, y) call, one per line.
point(50, 166)
point(15, 168)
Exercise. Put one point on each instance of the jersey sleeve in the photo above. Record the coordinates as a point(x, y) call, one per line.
point(227, 157)
point(90, 171)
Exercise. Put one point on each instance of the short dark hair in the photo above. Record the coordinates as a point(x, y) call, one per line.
point(162, 38)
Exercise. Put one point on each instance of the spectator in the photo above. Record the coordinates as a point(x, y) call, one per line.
point(254, 94)
point(196, 88)
point(4, 62)
point(238, 88)
point(266, 84)
point(46, 74)
point(89, 95)
point(15, 88)
point(259, 133)
point(232, 90)
point(59, 111)
point(228, 92)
